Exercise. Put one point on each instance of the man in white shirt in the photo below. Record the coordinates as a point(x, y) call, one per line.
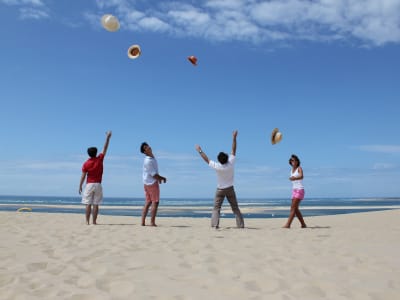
point(225, 174)
point(151, 181)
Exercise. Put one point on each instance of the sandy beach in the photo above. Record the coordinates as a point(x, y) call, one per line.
point(57, 256)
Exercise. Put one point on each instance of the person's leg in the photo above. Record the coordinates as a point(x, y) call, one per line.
point(153, 197)
point(87, 199)
point(144, 212)
point(293, 208)
point(88, 212)
point(146, 204)
point(218, 200)
point(298, 213)
point(231, 196)
point(154, 207)
point(300, 217)
point(95, 213)
point(97, 198)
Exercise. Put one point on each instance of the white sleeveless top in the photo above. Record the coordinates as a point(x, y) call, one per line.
point(297, 184)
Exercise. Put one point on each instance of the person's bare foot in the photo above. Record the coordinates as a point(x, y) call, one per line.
point(286, 226)
point(154, 225)
point(304, 226)
point(143, 224)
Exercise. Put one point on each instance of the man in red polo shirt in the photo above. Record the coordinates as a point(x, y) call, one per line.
point(93, 170)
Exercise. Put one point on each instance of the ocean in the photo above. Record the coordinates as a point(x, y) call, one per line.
point(201, 207)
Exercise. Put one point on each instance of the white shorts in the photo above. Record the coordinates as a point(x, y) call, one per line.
point(93, 194)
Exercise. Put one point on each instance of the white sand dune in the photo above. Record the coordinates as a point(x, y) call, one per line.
point(57, 256)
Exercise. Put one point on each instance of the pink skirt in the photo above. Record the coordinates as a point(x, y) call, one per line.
point(298, 194)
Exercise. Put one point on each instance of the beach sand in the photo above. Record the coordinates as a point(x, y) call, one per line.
point(57, 256)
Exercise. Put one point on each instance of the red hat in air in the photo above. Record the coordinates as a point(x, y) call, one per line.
point(193, 60)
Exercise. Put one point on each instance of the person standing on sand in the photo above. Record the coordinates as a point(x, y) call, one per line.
point(225, 173)
point(296, 176)
point(92, 169)
point(151, 181)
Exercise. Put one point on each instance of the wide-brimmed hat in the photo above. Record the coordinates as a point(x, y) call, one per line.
point(110, 22)
point(193, 60)
point(276, 136)
point(134, 51)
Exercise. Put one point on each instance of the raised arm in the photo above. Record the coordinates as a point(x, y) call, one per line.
point(202, 154)
point(108, 136)
point(234, 135)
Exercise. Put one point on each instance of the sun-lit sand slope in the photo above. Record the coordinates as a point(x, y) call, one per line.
point(57, 256)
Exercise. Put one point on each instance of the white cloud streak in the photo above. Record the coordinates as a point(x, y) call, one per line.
point(381, 148)
point(362, 22)
point(23, 2)
point(33, 13)
point(370, 22)
point(29, 9)
point(384, 166)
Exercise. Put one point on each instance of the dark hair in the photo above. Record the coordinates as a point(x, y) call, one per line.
point(92, 151)
point(144, 144)
point(223, 158)
point(295, 158)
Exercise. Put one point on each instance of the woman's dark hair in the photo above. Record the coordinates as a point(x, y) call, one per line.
point(92, 152)
point(294, 157)
point(144, 144)
point(223, 158)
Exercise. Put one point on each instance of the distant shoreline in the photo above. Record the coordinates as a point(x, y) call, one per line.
point(201, 207)
point(248, 211)
point(243, 208)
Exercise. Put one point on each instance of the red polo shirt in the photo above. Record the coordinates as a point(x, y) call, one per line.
point(94, 168)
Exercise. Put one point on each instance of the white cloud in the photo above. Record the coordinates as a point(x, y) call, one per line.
point(33, 13)
point(23, 2)
point(226, 4)
point(23, 167)
point(134, 16)
point(189, 16)
point(153, 24)
point(383, 166)
point(29, 9)
point(375, 22)
point(381, 148)
point(371, 22)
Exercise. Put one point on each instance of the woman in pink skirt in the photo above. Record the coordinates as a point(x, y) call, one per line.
point(296, 176)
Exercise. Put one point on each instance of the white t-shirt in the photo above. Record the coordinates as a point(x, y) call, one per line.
point(150, 168)
point(224, 172)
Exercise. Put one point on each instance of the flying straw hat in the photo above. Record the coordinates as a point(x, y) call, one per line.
point(276, 136)
point(134, 51)
point(110, 23)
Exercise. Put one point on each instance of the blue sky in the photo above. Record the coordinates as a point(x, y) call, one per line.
point(325, 72)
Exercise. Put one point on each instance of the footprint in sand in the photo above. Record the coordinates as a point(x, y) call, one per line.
point(33, 267)
point(252, 286)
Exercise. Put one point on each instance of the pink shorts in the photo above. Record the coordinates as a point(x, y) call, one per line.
point(298, 194)
point(152, 192)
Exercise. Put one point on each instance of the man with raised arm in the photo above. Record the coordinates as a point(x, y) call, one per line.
point(92, 169)
point(225, 173)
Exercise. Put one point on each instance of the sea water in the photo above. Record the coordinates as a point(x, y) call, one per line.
point(202, 207)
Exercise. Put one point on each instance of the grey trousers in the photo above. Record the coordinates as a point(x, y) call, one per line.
point(220, 195)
